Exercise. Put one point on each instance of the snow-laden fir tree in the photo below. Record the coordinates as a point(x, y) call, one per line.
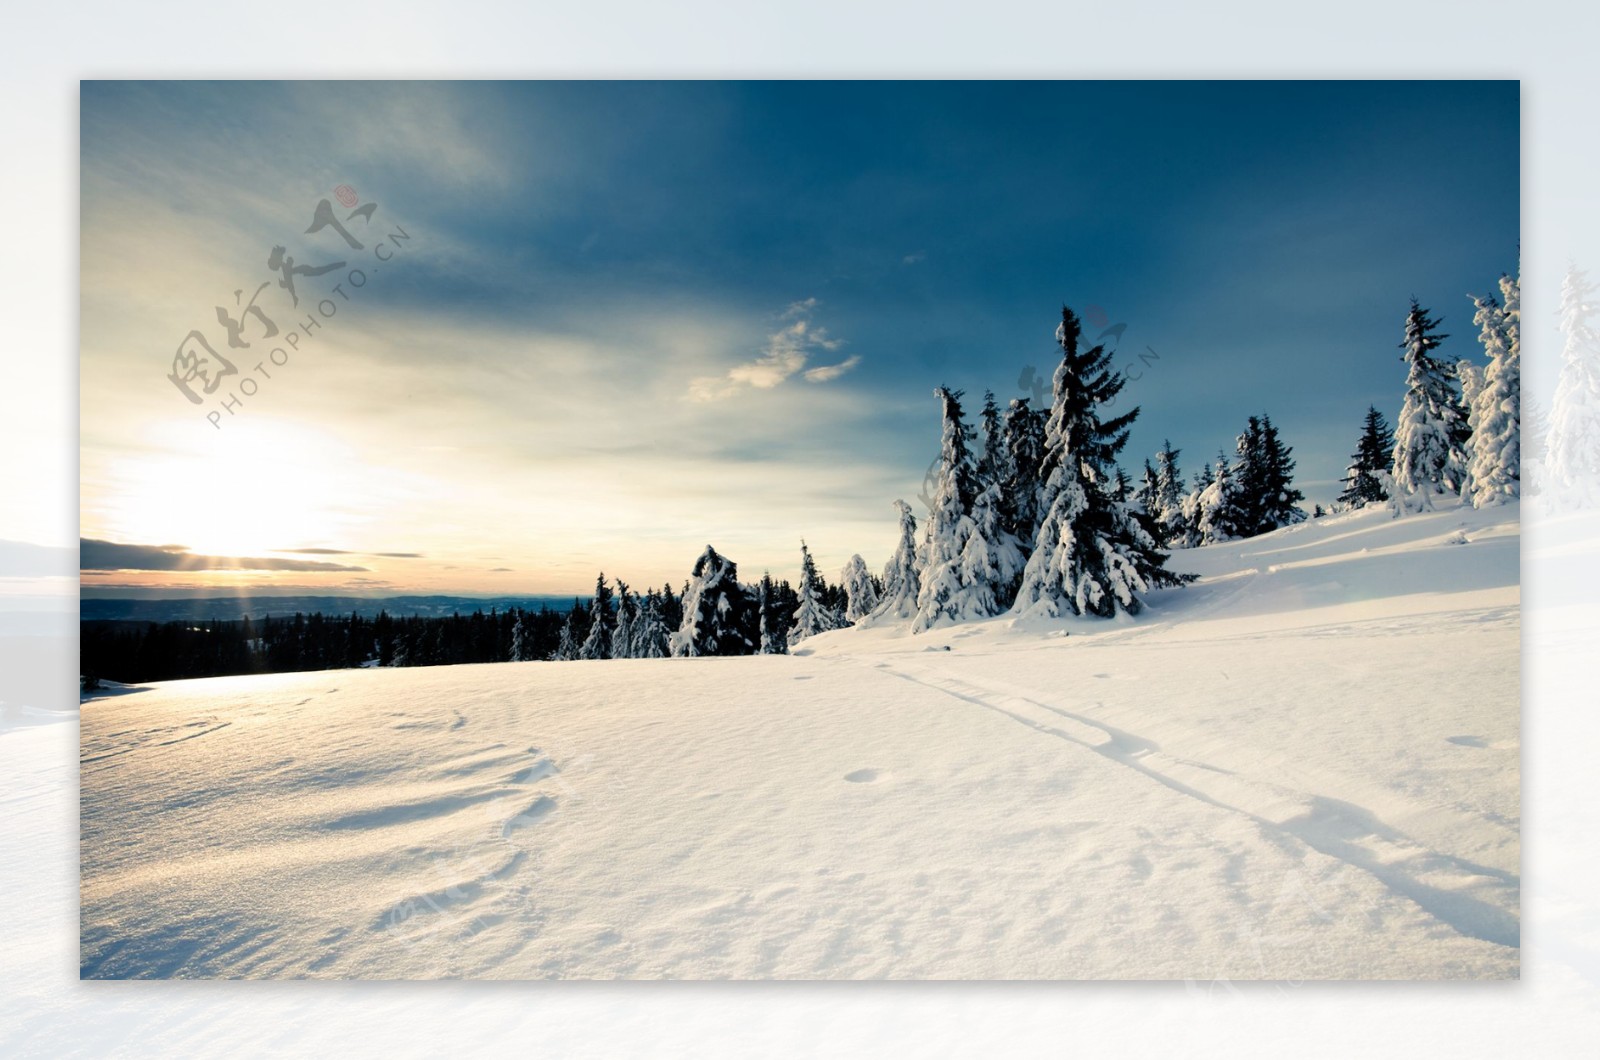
point(859, 590)
point(1217, 513)
point(1090, 555)
point(1023, 434)
point(1276, 502)
point(569, 642)
point(993, 555)
point(813, 616)
point(1168, 504)
point(1144, 498)
point(715, 619)
point(960, 580)
point(1469, 377)
point(597, 645)
point(774, 629)
point(1495, 473)
point(650, 633)
point(623, 636)
point(1369, 464)
point(902, 582)
point(521, 646)
point(1572, 460)
point(1430, 437)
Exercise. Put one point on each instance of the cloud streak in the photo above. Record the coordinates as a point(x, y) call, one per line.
point(96, 555)
point(347, 552)
point(785, 355)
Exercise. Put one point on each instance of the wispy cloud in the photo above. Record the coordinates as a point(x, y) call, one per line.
point(96, 555)
point(347, 552)
point(785, 355)
point(828, 372)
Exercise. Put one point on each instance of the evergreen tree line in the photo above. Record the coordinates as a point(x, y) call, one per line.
point(1247, 494)
point(616, 623)
point(163, 651)
point(1031, 514)
point(1458, 438)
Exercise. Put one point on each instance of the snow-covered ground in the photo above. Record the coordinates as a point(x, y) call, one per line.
point(1304, 766)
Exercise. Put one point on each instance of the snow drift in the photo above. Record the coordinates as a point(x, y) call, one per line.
point(1303, 766)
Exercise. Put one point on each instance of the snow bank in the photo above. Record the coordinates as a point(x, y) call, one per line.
point(1303, 766)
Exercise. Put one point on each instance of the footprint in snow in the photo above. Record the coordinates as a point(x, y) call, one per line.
point(864, 776)
point(1467, 741)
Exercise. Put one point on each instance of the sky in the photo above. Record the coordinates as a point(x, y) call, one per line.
point(577, 327)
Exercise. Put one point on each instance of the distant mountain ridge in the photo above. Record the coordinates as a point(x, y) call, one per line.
point(235, 607)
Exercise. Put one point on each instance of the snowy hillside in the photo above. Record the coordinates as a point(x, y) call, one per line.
point(1303, 766)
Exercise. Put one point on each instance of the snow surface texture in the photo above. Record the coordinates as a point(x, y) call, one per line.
point(1304, 766)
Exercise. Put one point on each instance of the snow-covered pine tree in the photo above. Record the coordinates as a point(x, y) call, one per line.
point(902, 582)
point(813, 616)
point(1218, 515)
point(1146, 497)
point(714, 611)
point(1279, 501)
point(1168, 510)
point(957, 584)
point(1023, 433)
point(1090, 555)
point(858, 587)
point(1429, 452)
point(602, 620)
point(1246, 479)
point(1369, 464)
point(650, 634)
point(623, 636)
point(1469, 377)
point(569, 643)
point(520, 648)
point(993, 555)
point(1572, 456)
point(993, 460)
point(1495, 473)
point(774, 627)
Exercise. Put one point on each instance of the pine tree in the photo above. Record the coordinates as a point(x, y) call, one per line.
point(1278, 501)
point(624, 636)
point(902, 583)
point(1430, 437)
point(1247, 479)
point(1495, 472)
point(858, 587)
point(813, 616)
point(568, 645)
point(1469, 377)
point(774, 630)
point(521, 646)
point(958, 582)
point(715, 611)
point(1147, 497)
point(597, 645)
point(1168, 510)
point(1218, 515)
point(1090, 555)
point(1023, 436)
point(1572, 461)
point(993, 461)
point(1369, 464)
point(651, 639)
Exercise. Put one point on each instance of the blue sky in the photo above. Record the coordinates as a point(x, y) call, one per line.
point(595, 350)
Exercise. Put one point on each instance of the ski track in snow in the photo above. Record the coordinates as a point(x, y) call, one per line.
point(1303, 767)
point(1436, 882)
